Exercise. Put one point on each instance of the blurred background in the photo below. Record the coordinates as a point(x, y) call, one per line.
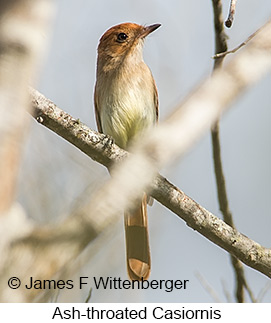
point(56, 178)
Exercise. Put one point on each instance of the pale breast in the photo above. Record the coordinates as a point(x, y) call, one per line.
point(127, 105)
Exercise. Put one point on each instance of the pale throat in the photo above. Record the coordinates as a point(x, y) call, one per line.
point(114, 61)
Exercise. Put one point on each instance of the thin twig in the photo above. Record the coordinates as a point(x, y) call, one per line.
point(263, 291)
point(226, 291)
point(89, 295)
point(55, 300)
point(241, 282)
point(209, 289)
point(220, 35)
point(250, 293)
point(229, 21)
point(221, 46)
point(223, 54)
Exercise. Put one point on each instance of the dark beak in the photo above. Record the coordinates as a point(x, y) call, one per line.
point(149, 29)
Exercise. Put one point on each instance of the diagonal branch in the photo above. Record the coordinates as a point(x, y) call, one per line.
point(232, 51)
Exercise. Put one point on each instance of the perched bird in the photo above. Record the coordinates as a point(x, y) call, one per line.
point(126, 104)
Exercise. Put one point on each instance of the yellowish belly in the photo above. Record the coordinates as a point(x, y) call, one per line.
point(127, 115)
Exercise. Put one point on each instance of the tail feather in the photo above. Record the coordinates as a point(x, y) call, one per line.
point(137, 242)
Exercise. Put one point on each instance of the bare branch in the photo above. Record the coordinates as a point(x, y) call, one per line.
point(209, 289)
point(229, 21)
point(223, 54)
point(213, 228)
point(220, 35)
point(221, 44)
point(88, 141)
point(263, 291)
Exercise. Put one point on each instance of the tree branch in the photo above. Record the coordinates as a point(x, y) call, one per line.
point(232, 51)
point(229, 21)
point(221, 46)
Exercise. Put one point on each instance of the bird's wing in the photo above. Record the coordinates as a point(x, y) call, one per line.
point(97, 113)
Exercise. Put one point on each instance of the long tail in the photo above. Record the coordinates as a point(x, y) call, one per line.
point(137, 241)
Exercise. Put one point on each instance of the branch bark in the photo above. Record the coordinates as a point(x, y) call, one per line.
point(221, 46)
point(229, 21)
point(232, 51)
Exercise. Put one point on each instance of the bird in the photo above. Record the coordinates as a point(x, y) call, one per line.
point(126, 105)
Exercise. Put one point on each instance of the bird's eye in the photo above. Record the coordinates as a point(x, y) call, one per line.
point(121, 37)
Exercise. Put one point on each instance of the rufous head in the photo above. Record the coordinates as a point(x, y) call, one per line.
point(122, 40)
